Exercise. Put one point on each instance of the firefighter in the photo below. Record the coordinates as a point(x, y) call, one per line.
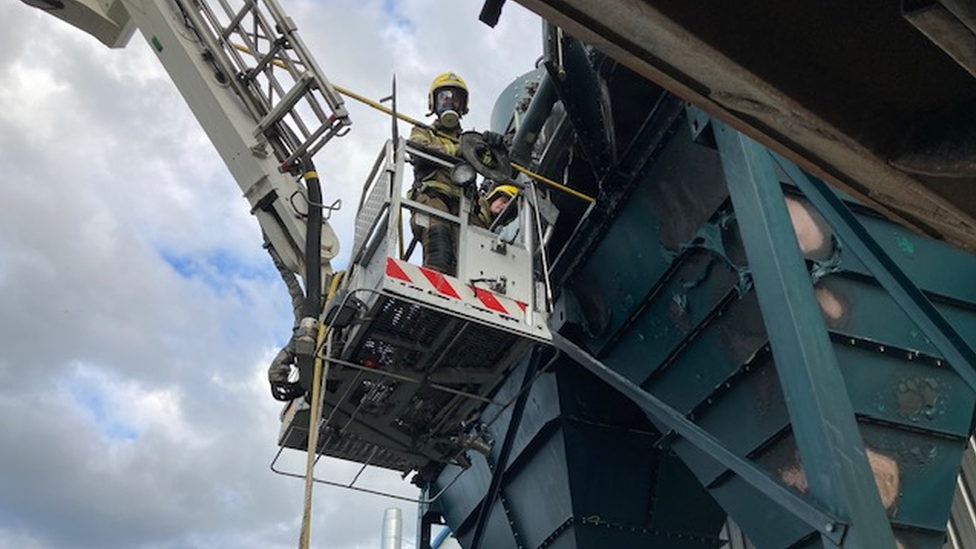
point(448, 100)
point(493, 204)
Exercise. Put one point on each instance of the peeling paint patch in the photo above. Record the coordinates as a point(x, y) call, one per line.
point(906, 245)
point(679, 312)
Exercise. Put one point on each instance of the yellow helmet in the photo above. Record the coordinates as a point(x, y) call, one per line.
point(510, 190)
point(448, 80)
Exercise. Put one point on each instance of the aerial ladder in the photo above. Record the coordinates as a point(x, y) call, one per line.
point(414, 353)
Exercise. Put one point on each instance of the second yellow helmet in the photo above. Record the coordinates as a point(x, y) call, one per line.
point(510, 190)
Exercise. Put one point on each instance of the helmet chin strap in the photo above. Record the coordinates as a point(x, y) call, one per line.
point(449, 119)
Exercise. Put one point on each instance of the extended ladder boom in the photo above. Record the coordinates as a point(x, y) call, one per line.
point(251, 83)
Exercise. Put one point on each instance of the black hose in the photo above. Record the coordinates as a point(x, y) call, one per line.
point(313, 268)
point(313, 244)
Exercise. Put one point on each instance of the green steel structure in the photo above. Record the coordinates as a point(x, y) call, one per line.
point(732, 341)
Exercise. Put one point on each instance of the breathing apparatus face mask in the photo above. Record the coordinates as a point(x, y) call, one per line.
point(447, 106)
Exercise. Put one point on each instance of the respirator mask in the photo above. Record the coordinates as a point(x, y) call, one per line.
point(447, 106)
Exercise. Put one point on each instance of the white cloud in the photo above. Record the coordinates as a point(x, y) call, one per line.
point(137, 308)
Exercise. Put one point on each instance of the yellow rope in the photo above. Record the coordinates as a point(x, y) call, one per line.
point(553, 184)
point(321, 370)
point(383, 108)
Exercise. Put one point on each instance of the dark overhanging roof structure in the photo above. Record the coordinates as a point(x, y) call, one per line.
point(878, 98)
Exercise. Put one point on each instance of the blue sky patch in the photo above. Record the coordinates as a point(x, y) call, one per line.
point(396, 16)
point(217, 269)
point(88, 394)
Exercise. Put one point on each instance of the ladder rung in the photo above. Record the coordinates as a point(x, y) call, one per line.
point(308, 148)
point(267, 59)
point(284, 106)
point(249, 6)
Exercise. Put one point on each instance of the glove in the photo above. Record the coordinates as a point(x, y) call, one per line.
point(493, 139)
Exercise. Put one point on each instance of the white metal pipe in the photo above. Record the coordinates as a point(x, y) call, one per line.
point(392, 528)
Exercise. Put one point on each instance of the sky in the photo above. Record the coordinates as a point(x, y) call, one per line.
point(138, 311)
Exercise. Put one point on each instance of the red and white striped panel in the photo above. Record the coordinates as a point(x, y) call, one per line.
point(450, 287)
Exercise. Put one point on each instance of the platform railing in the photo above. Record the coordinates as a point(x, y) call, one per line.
point(498, 260)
